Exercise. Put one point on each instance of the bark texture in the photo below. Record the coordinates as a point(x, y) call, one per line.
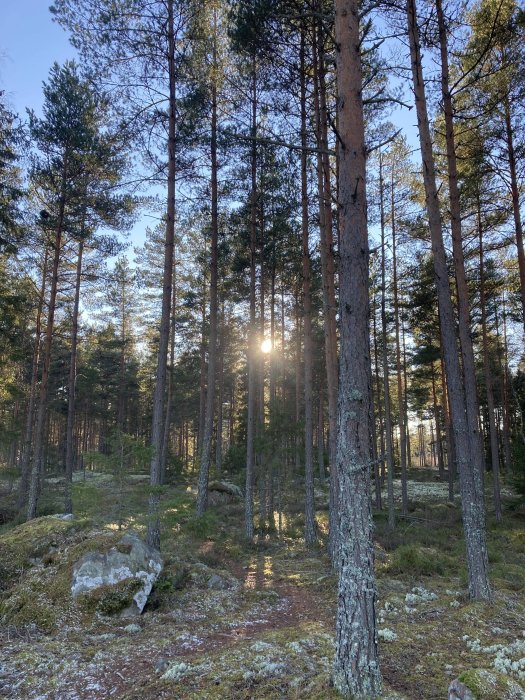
point(356, 667)
point(471, 485)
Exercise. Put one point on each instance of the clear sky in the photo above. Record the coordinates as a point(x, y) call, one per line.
point(29, 45)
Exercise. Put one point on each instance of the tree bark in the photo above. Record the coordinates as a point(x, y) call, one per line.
point(327, 272)
point(310, 528)
point(386, 378)
point(356, 667)
point(493, 434)
point(205, 460)
point(30, 417)
point(70, 447)
point(252, 332)
point(157, 428)
point(471, 484)
point(40, 428)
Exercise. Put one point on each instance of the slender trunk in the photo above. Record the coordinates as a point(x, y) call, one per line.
point(386, 378)
point(320, 437)
point(327, 272)
point(30, 418)
point(169, 391)
point(494, 450)
point(220, 413)
point(310, 528)
point(470, 473)
point(205, 457)
point(40, 428)
point(169, 244)
point(515, 196)
point(356, 666)
point(70, 447)
point(252, 340)
point(399, 367)
point(378, 393)
point(439, 446)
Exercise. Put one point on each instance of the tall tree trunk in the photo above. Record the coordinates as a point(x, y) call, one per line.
point(356, 666)
point(466, 434)
point(30, 417)
point(70, 446)
point(171, 373)
point(220, 401)
point(515, 196)
point(493, 434)
point(205, 457)
point(37, 466)
point(327, 271)
point(309, 529)
point(399, 368)
point(439, 445)
point(386, 378)
point(252, 339)
point(159, 395)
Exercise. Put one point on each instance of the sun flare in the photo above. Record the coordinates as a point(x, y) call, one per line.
point(266, 345)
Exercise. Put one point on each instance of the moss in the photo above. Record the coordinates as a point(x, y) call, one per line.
point(489, 685)
point(32, 540)
point(110, 599)
point(411, 559)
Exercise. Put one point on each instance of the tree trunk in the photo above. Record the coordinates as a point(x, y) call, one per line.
point(470, 472)
point(30, 418)
point(310, 535)
point(70, 447)
point(169, 391)
point(40, 429)
point(356, 666)
point(252, 340)
point(327, 272)
point(399, 368)
point(158, 421)
point(494, 449)
point(205, 457)
point(386, 379)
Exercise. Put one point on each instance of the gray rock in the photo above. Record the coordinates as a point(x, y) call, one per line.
point(227, 488)
point(223, 582)
point(161, 665)
point(459, 691)
point(131, 558)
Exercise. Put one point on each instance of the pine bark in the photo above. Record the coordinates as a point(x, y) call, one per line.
point(157, 428)
point(327, 271)
point(40, 428)
point(252, 339)
point(489, 389)
point(70, 446)
point(310, 529)
point(205, 457)
point(386, 378)
point(471, 483)
point(356, 667)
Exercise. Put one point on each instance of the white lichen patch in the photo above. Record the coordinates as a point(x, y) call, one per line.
point(509, 659)
point(387, 635)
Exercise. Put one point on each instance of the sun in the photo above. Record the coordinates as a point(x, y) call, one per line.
point(266, 345)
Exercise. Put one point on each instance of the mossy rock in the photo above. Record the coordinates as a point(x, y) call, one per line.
point(110, 599)
point(490, 685)
point(32, 540)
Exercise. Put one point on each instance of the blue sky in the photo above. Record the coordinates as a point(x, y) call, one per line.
point(29, 45)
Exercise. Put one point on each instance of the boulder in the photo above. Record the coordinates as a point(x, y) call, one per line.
point(484, 684)
point(227, 488)
point(129, 569)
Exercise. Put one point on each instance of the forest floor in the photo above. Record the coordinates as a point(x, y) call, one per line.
point(227, 620)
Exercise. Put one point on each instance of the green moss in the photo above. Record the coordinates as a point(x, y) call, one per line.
point(489, 685)
point(110, 599)
point(411, 559)
point(32, 540)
